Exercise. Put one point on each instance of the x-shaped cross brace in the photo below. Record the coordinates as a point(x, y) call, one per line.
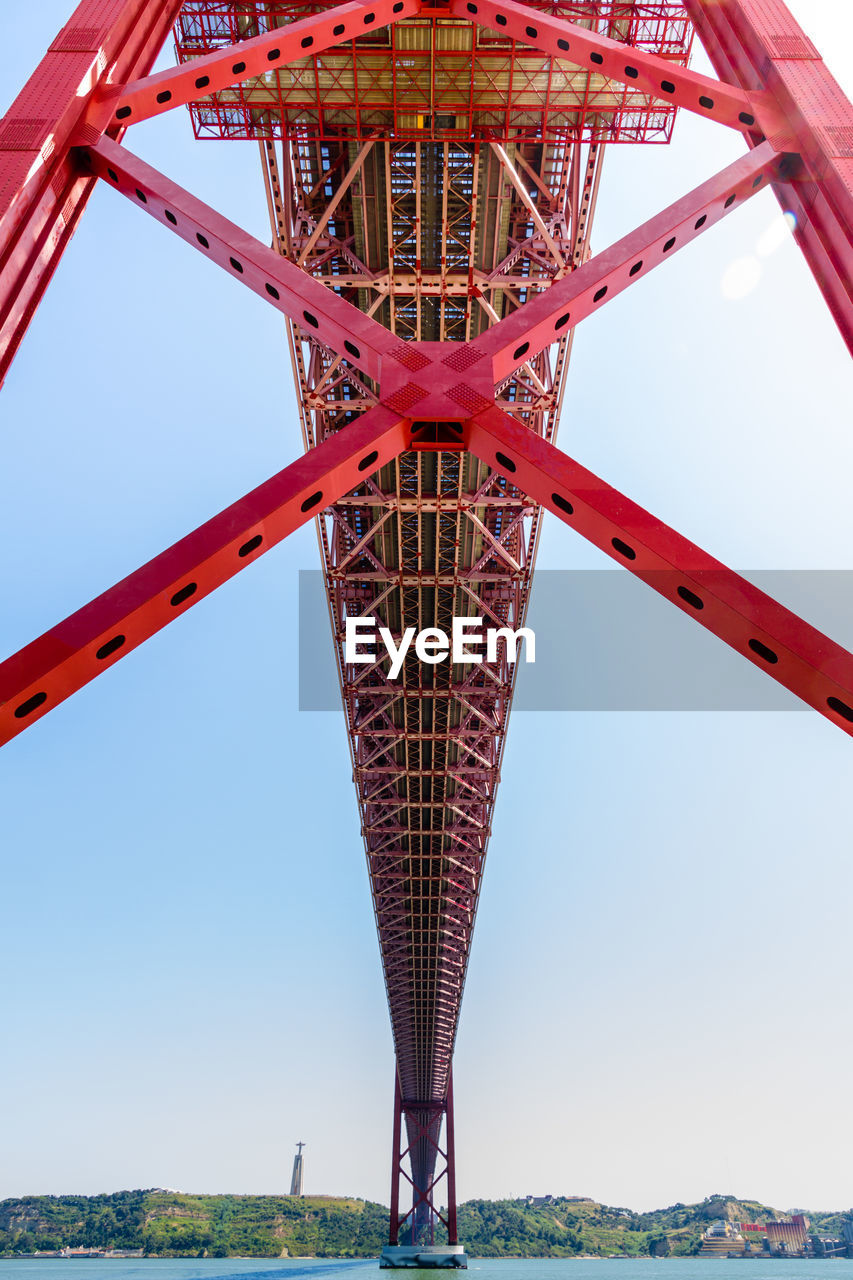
point(432, 395)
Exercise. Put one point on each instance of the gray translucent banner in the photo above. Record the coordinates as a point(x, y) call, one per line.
point(605, 641)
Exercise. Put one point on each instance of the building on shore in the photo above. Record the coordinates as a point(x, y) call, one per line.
point(787, 1235)
point(720, 1239)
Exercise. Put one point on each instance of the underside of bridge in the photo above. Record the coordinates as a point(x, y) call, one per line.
point(438, 175)
point(431, 170)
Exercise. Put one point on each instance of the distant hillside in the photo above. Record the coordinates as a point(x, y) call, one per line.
point(171, 1224)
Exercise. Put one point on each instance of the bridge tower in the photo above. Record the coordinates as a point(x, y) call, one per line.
point(431, 170)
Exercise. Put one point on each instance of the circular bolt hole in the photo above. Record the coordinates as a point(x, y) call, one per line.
point(520, 351)
point(352, 349)
point(184, 594)
point(110, 647)
point(505, 463)
point(624, 550)
point(691, 598)
point(368, 460)
point(203, 240)
point(170, 217)
point(835, 703)
point(763, 652)
point(272, 291)
point(312, 501)
point(30, 705)
point(252, 545)
point(563, 503)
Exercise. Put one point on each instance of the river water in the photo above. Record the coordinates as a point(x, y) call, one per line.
point(478, 1269)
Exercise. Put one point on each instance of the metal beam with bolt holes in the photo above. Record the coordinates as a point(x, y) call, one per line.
point(51, 668)
point(770, 636)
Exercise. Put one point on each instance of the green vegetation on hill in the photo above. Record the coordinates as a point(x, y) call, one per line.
point(170, 1224)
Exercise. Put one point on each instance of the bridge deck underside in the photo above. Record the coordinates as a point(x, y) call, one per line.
point(438, 176)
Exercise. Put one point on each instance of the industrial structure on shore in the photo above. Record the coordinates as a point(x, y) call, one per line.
point(779, 1237)
point(431, 170)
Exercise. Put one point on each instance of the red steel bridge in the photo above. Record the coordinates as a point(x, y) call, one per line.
point(431, 170)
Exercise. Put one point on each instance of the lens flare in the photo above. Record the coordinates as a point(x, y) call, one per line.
point(775, 235)
point(740, 278)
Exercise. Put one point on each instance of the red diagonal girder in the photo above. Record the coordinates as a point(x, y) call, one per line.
point(714, 99)
point(51, 668)
point(794, 653)
point(279, 282)
point(534, 326)
point(212, 72)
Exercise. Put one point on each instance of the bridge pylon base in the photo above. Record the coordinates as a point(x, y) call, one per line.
point(424, 1256)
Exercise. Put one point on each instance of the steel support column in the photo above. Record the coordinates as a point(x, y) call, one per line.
point(758, 44)
point(42, 191)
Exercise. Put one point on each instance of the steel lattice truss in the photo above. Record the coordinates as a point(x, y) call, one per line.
point(437, 534)
point(434, 76)
point(432, 262)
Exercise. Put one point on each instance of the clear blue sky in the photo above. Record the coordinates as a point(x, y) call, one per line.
point(658, 1000)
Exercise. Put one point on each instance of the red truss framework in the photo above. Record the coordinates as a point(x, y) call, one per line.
point(436, 76)
point(431, 277)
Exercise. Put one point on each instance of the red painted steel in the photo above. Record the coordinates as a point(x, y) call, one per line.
point(431, 84)
point(425, 1154)
point(42, 192)
point(572, 299)
point(660, 77)
point(758, 42)
point(38, 677)
point(278, 47)
point(795, 654)
point(430, 214)
point(277, 281)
